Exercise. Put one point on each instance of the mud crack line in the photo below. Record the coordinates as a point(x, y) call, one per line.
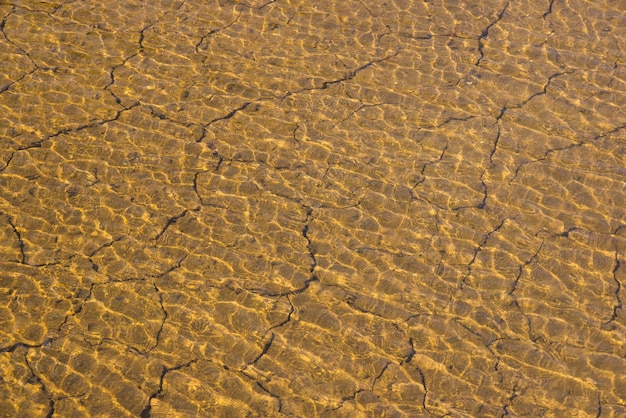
point(351, 74)
point(423, 382)
point(38, 144)
point(579, 143)
point(495, 145)
point(428, 164)
point(542, 92)
point(17, 345)
point(51, 401)
point(214, 31)
point(477, 250)
point(173, 220)
point(549, 11)
point(20, 241)
point(520, 271)
point(146, 412)
point(157, 337)
point(485, 33)
point(510, 399)
point(618, 304)
point(353, 396)
point(305, 230)
point(228, 116)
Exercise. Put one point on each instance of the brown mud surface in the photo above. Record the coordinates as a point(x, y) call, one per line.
point(312, 208)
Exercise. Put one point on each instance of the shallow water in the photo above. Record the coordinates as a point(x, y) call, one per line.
point(275, 208)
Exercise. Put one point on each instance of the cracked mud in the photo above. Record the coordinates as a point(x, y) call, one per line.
point(272, 208)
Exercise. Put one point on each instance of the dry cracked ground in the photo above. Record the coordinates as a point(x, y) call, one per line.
point(298, 208)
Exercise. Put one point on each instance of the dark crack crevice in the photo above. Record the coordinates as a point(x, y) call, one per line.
point(264, 350)
point(4, 22)
point(38, 144)
point(77, 308)
point(423, 383)
point(428, 164)
point(485, 33)
point(542, 92)
point(450, 120)
point(412, 351)
point(20, 78)
point(177, 265)
point(618, 288)
point(261, 7)
point(112, 77)
point(171, 221)
point(510, 399)
point(520, 271)
point(353, 73)
point(95, 266)
point(267, 3)
point(229, 114)
point(206, 36)
point(105, 245)
point(343, 400)
point(599, 413)
point(477, 250)
point(309, 246)
point(534, 336)
point(195, 185)
point(23, 259)
point(140, 50)
point(458, 320)
point(270, 339)
point(549, 11)
point(157, 337)
point(580, 143)
point(147, 411)
point(220, 160)
point(22, 50)
point(486, 341)
point(11, 348)
point(353, 396)
point(483, 201)
point(296, 142)
point(349, 76)
point(142, 34)
point(379, 376)
point(494, 148)
point(388, 32)
point(45, 390)
point(311, 252)
point(20, 241)
point(279, 409)
point(607, 133)
point(292, 310)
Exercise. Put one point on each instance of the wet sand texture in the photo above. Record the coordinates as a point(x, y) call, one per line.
point(329, 208)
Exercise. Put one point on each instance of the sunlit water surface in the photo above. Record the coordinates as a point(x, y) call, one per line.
point(312, 208)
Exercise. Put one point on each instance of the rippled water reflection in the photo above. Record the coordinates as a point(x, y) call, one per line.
point(240, 208)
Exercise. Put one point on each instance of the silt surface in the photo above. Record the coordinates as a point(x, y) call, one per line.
point(312, 208)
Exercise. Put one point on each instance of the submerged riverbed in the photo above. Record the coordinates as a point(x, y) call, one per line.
point(277, 208)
